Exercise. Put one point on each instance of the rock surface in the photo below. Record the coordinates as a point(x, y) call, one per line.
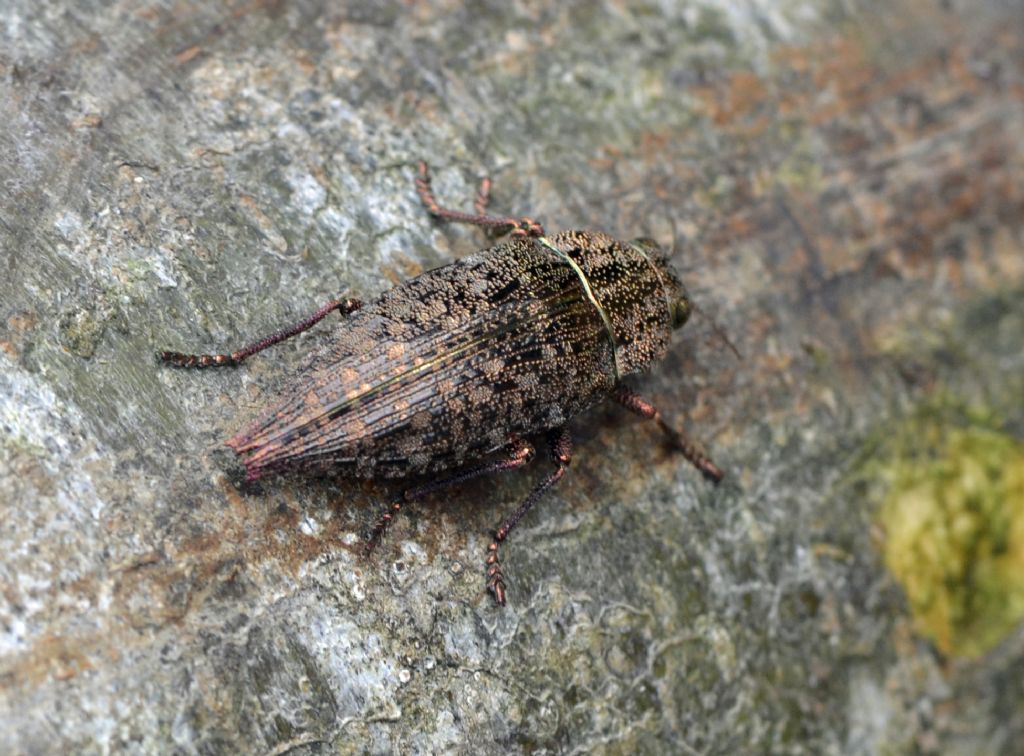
point(842, 185)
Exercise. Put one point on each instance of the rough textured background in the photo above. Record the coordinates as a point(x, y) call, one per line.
point(842, 183)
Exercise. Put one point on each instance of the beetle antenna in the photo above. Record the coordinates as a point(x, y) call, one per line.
point(719, 331)
point(675, 235)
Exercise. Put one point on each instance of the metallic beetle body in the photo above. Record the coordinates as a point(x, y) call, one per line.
point(451, 365)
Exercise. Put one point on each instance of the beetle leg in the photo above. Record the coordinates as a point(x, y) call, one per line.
point(561, 454)
point(504, 224)
point(677, 439)
point(483, 196)
point(517, 453)
point(178, 359)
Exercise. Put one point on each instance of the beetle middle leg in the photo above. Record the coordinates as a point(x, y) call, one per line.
point(561, 455)
point(179, 359)
point(677, 439)
point(518, 453)
point(503, 223)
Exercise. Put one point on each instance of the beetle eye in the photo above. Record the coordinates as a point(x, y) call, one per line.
point(681, 309)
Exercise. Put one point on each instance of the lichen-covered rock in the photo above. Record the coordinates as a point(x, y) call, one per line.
point(840, 182)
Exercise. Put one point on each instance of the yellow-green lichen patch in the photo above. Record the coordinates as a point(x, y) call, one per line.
point(953, 517)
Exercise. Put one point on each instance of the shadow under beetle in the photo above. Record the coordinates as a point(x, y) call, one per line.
point(469, 359)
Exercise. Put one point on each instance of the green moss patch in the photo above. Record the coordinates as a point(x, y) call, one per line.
point(953, 515)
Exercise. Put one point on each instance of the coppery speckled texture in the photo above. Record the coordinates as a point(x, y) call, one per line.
point(838, 183)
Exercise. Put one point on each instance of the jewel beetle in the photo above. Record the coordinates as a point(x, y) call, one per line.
point(448, 376)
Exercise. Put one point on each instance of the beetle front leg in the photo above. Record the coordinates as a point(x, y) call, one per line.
point(504, 224)
point(179, 359)
point(561, 455)
point(677, 439)
point(518, 453)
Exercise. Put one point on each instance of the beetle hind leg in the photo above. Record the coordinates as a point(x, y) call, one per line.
point(180, 359)
point(561, 455)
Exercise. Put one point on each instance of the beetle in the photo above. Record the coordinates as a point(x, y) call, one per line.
point(467, 361)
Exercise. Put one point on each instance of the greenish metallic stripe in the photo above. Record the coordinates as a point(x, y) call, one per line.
point(593, 300)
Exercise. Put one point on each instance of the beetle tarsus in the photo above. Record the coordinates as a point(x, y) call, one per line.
point(179, 359)
point(483, 196)
point(495, 580)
